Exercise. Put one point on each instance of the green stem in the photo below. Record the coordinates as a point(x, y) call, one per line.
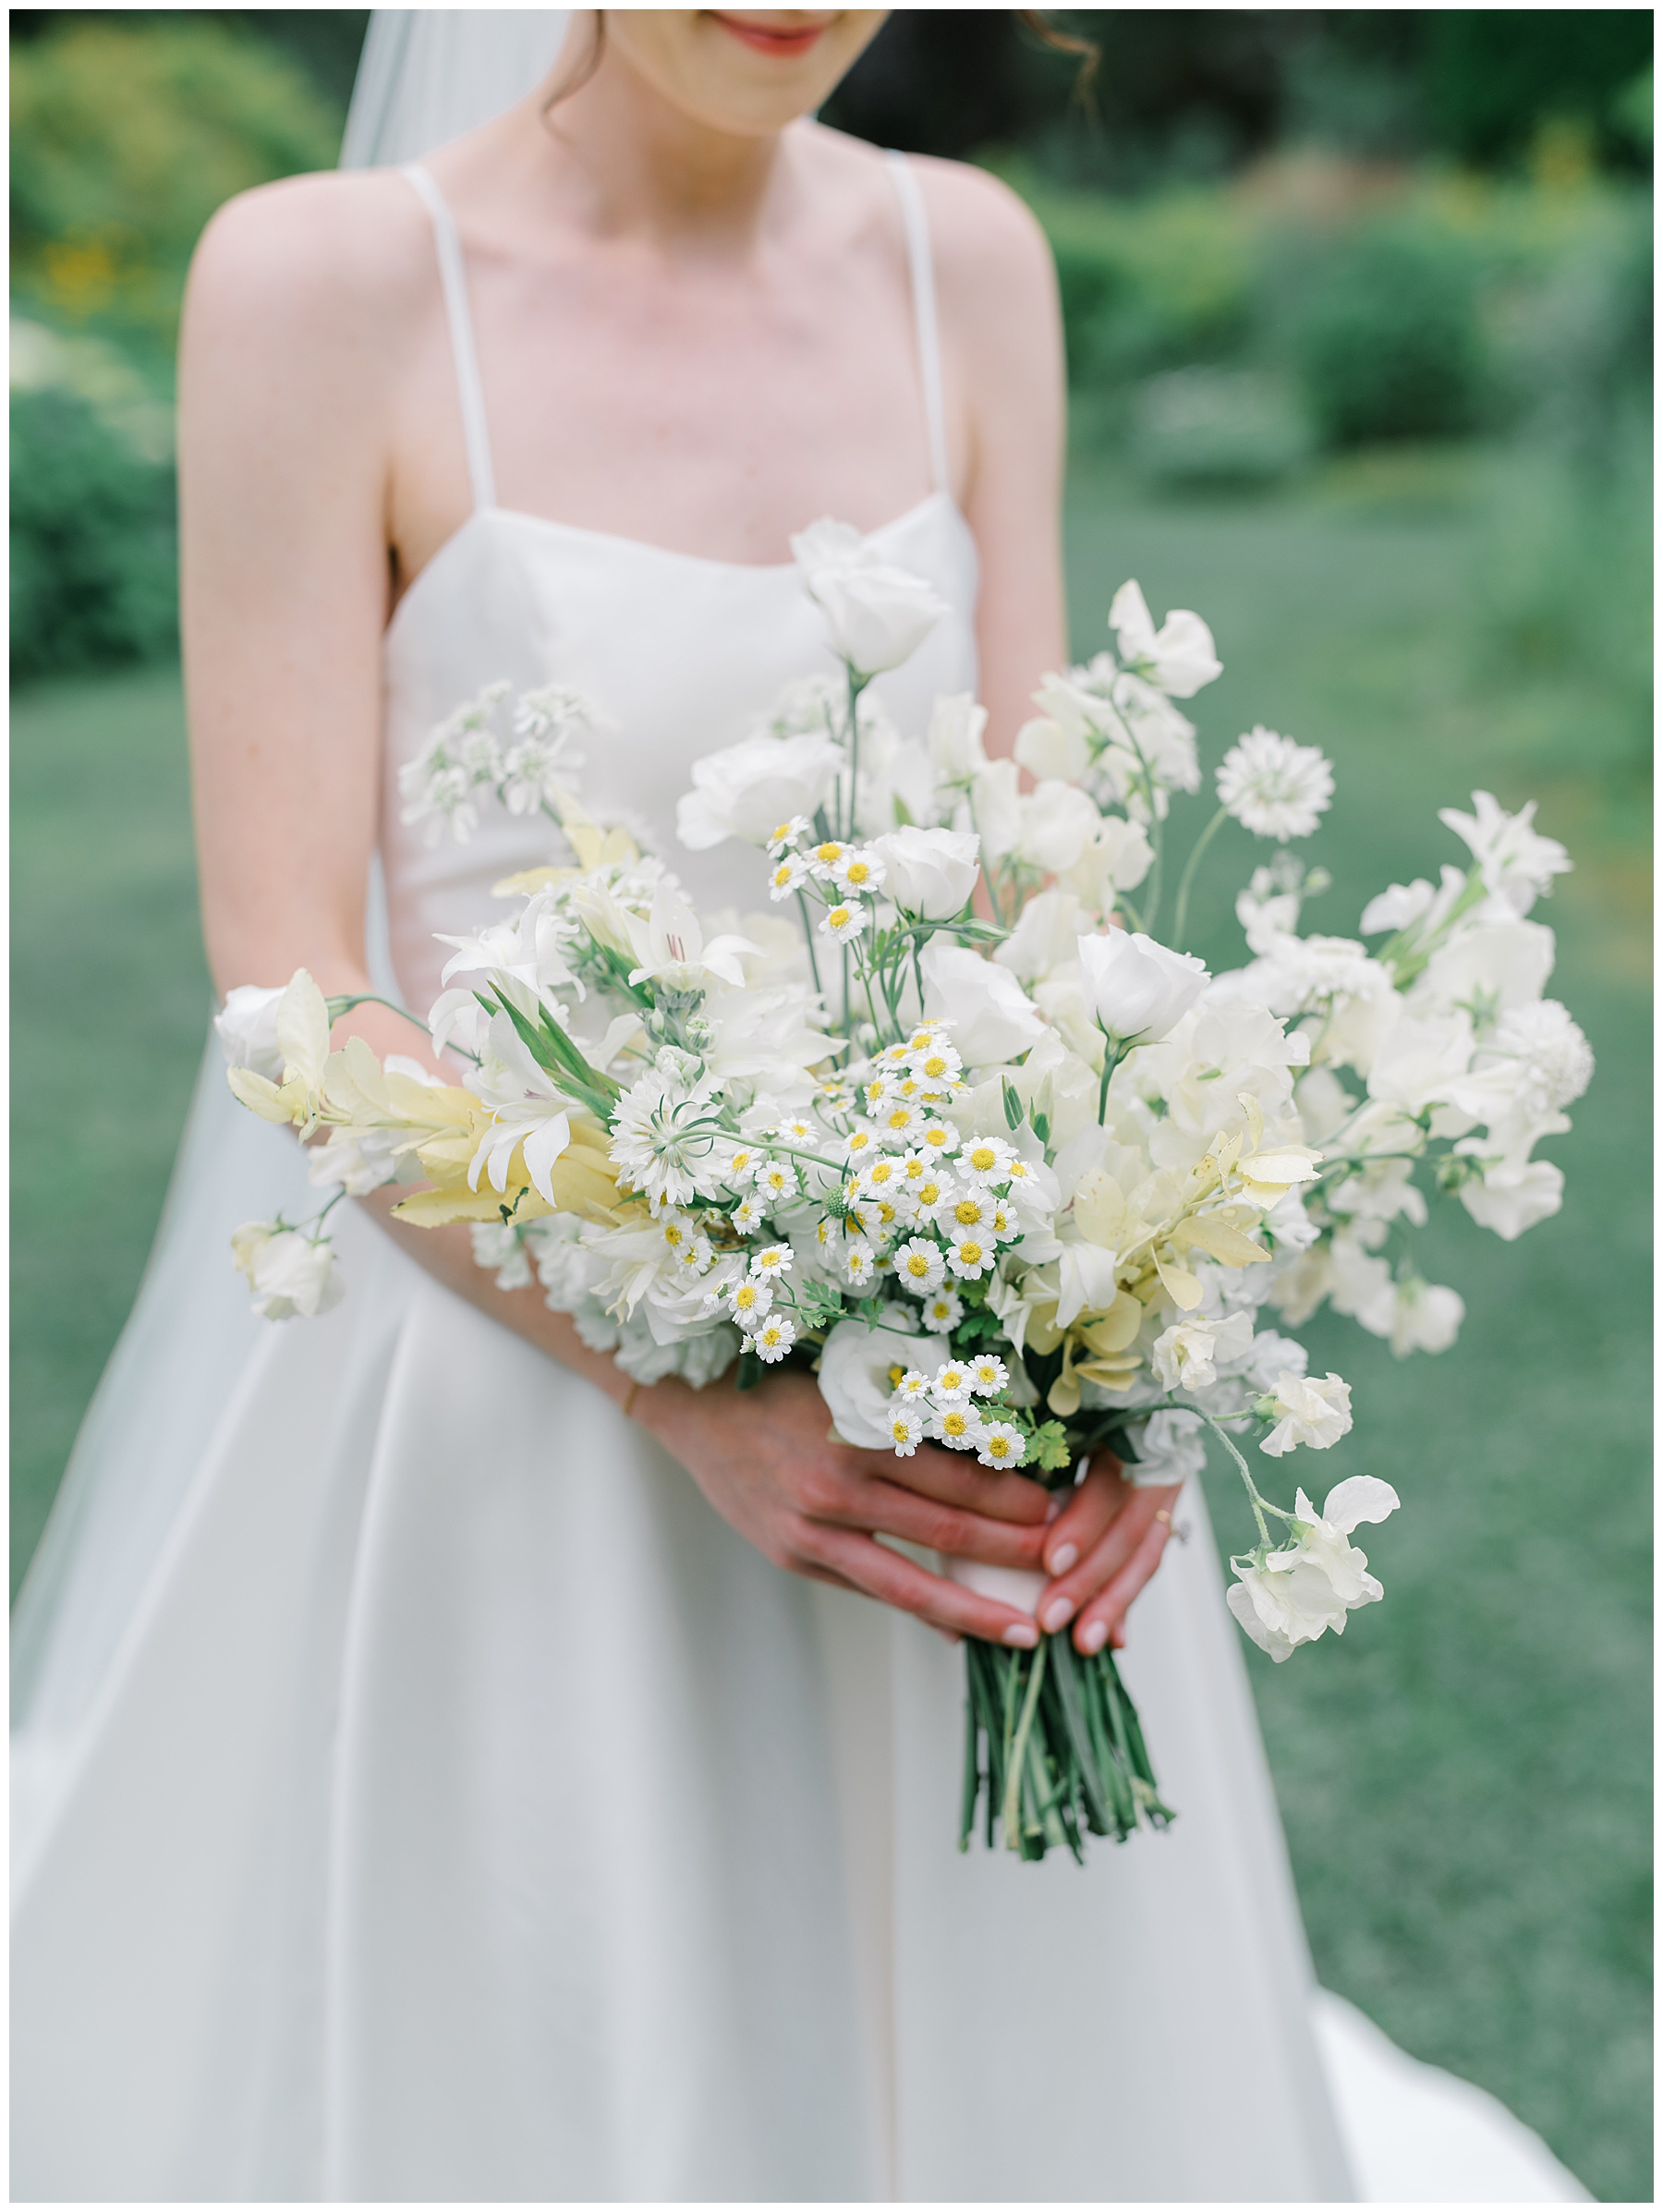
point(1181, 913)
point(371, 998)
point(1258, 1502)
point(809, 940)
point(1013, 1803)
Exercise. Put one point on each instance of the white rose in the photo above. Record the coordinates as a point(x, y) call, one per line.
point(856, 1378)
point(247, 1028)
point(1178, 657)
point(1058, 822)
point(749, 789)
point(878, 615)
point(1139, 989)
point(1311, 1584)
point(931, 872)
point(1308, 1410)
point(288, 1272)
point(991, 1016)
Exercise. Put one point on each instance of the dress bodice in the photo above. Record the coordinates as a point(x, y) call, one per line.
point(678, 653)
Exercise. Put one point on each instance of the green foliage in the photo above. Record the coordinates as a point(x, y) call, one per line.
point(93, 540)
point(125, 140)
point(1389, 342)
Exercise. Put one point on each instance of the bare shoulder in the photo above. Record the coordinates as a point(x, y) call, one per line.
point(988, 243)
point(320, 259)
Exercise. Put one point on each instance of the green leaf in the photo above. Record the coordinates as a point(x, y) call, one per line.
point(1012, 1105)
point(1050, 1449)
point(750, 1372)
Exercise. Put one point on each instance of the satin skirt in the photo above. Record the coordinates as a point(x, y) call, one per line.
point(421, 1794)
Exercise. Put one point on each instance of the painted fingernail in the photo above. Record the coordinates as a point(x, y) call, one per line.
point(1063, 1557)
point(1095, 1636)
point(1053, 1507)
point(1056, 1615)
point(1023, 1633)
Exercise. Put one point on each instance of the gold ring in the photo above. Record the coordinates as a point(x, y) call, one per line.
point(1163, 1515)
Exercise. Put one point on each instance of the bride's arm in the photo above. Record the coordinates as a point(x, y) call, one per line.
point(306, 328)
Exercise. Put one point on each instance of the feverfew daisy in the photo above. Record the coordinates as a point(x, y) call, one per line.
point(923, 1039)
point(772, 1262)
point(741, 1166)
point(989, 1375)
point(951, 1383)
point(774, 1338)
point(958, 1428)
point(823, 858)
point(939, 1137)
point(1003, 1222)
point(971, 1257)
point(906, 1431)
point(917, 1167)
point(1000, 1445)
point(859, 871)
point(938, 1063)
point(877, 1090)
point(930, 1193)
point(775, 1182)
point(787, 875)
point(747, 1215)
point(860, 1263)
point(919, 1266)
point(797, 1129)
point(898, 1122)
point(750, 1300)
point(1274, 787)
point(984, 1159)
point(788, 832)
point(861, 1141)
point(879, 1175)
point(943, 1312)
point(965, 1213)
point(843, 923)
point(913, 1387)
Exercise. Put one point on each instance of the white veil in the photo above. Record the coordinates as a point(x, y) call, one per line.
point(427, 75)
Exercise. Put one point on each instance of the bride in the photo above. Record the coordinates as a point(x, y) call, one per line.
point(448, 1771)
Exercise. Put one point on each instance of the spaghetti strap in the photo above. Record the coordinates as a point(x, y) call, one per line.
point(924, 310)
point(453, 279)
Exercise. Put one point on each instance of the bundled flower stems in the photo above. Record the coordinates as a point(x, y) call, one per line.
point(956, 1127)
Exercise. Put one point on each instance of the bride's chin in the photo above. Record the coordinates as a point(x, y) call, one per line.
point(745, 72)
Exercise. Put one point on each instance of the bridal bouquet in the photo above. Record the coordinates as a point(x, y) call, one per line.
point(954, 1127)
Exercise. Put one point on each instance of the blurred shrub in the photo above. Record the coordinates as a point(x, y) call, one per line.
point(124, 140)
point(1389, 342)
point(94, 549)
point(1218, 427)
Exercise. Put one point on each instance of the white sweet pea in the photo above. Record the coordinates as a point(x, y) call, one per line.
point(994, 809)
point(1514, 1195)
point(749, 789)
point(1178, 657)
point(288, 1272)
point(247, 1028)
point(1184, 1354)
point(878, 615)
point(954, 739)
point(930, 874)
point(1049, 749)
point(991, 1016)
point(1307, 1410)
point(1517, 864)
point(1058, 821)
point(1045, 936)
point(1138, 989)
point(1312, 1583)
point(859, 1370)
point(1169, 1450)
point(1415, 1315)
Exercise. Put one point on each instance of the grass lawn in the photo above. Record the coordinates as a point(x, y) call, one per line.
point(1464, 1777)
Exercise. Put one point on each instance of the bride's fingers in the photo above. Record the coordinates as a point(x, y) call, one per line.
point(1121, 1541)
point(1091, 1509)
point(1105, 1616)
point(958, 1478)
point(884, 1574)
point(882, 1508)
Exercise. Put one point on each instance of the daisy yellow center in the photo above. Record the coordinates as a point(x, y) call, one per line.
point(882, 1171)
point(745, 1297)
point(930, 1193)
point(982, 1159)
point(951, 1378)
point(970, 1252)
point(838, 916)
point(900, 1431)
point(935, 1137)
point(918, 1265)
point(935, 1066)
point(781, 875)
point(673, 1235)
point(900, 1117)
point(967, 1212)
point(781, 834)
point(955, 1424)
point(858, 872)
point(827, 854)
point(998, 1447)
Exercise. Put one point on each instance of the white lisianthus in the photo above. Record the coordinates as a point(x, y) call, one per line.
point(857, 1371)
point(929, 872)
point(1138, 989)
point(1178, 657)
point(878, 615)
point(288, 1272)
point(749, 789)
point(1307, 1410)
point(992, 1018)
point(1274, 787)
point(1517, 864)
point(1185, 1354)
point(1310, 1584)
point(247, 1028)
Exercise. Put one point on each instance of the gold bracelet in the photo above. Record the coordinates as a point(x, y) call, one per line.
point(629, 1399)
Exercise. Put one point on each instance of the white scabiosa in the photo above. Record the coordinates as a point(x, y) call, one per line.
point(1274, 787)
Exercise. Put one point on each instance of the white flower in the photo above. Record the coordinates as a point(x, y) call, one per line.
point(787, 833)
point(841, 923)
point(772, 1262)
point(1312, 1583)
point(1169, 1450)
point(1000, 1445)
point(1053, 751)
point(773, 1339)
point(857, 1373)
point(878, 616)
point(985, 1160)
point(1178, 657)
point(1183, 1356)
point(1306, 1411)
point(993, 1018)
point(860, 1263)
point(859, 871)
point(906, 1431)
point(932, 1059)
point(919, 1266)
point(787, 875)
point(971, 1257)
point(914, 1387)
point(247, 1028)
point(775, 1182)
point(950, 1385)
point(943, 1312)
point(958, 1427)
point(749, 789)
point(1057, 823)
point(1516, 864)
point(1138, 989)
point(989, 1375)
point(1274, 787)
point(929, 873)
point(1513, 1196)
point(662, 1139)
point(288, 1272)
point(956, 723)
point(1044, 937)
point(1118, 858)
point(1534, 1062)
point(750, 1299)
point(669, 945)
point(495, 1244)
point(747, 1215)
point(936, 1141)
point(1415, 1316)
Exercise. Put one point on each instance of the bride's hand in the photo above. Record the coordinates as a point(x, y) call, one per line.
point(1100, 1550)
point(764, 1461)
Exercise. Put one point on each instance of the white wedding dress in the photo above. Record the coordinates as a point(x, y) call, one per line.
point(421, 1794)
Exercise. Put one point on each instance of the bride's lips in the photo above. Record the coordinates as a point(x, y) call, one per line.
point(762, 38)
